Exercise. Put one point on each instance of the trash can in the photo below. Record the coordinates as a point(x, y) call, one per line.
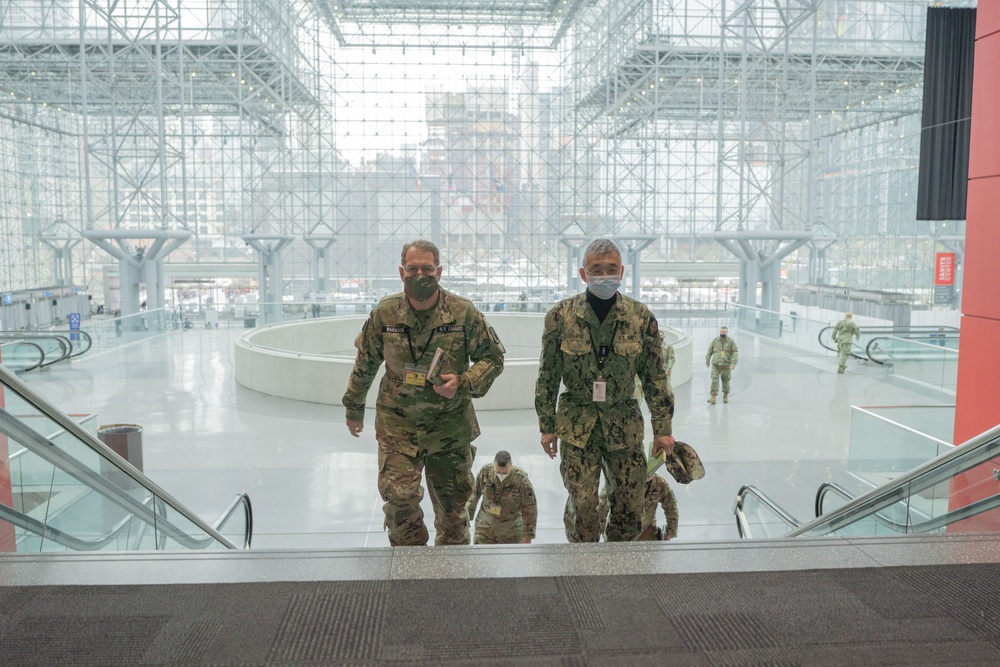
point(249, 322)
point(125, 440)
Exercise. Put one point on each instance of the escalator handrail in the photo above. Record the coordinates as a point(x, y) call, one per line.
point(61, 333)
point(64, 343)
point(750, 490)
point(874, 341)
point(83, 334)
point(43, 406)
point(933, 523)
point(60, 537)
point(846, 495)
point(38, 347)
point(241, 500)
point(932, 472)
point(45, 449)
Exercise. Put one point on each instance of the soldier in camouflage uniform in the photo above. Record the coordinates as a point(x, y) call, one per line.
point(419, 424)
point(596, 343)
point(509, 510)
point(842, 333)
point(658, 493)
point(721, 358)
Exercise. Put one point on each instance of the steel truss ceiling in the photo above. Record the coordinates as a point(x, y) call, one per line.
point(671, 118)
point(466, 24)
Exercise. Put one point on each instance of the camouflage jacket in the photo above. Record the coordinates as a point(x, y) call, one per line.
point(507, 504)
point(669, 357)
point(722, 352)
point(412, 417)
point(658, 494)
point(571, 342)
point(844, 329)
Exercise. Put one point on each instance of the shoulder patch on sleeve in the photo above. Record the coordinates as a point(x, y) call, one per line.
point(653, 327)
point(496, 340)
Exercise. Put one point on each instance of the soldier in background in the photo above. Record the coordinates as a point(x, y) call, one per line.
point(509, 510)
point(721, 358)
point(596, 343)
point(842, 333)
point(419, 424)
point(658, 493)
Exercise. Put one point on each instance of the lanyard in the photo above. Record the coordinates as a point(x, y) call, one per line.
point(602, 354)
point(409, 342)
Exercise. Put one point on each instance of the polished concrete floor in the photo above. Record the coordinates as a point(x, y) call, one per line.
point(206, 438)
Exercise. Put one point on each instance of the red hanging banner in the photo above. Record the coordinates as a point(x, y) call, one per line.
point(944, 268)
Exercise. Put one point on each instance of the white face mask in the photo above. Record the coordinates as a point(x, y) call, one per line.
point(502, 475)
point(603, 287)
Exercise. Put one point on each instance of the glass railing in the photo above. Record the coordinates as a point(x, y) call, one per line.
point(889, 441)
point(934, 364)
point(19, 355)
point(955, 491)
point(790, 329)
point(69, 492)
point(107, 334)
point(258, 314)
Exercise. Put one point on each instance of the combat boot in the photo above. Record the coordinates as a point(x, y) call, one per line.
point(725, 398)
point(711, 399)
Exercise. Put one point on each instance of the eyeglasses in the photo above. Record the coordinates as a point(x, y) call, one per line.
point(601, 271)
point(427, 270)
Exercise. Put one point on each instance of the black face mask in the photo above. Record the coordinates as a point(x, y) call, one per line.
point(722, 335)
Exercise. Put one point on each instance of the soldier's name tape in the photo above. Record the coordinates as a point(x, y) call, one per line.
point(444, 328)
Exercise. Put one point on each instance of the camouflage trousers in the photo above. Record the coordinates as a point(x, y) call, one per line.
point(720, 372)
point(625, 472)
point(450, 482)
point(489, 531)
point(843, 351)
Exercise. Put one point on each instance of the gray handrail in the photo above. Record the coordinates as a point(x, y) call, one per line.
point(41, 352)
point(749, 490)
point(241, 500)
point(960, 514)
point(47, 532)
point(11, 380)
point(41, 446)
point(974, 451)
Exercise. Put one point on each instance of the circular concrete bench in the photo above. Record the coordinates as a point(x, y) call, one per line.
point(311, 360)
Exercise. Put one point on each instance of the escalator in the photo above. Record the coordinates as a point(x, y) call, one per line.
point(70, 492)
point(887, 344)
point(923, 500)
point(56, 346)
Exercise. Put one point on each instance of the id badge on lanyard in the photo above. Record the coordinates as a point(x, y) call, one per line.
point(600, 391)
point(415, 375)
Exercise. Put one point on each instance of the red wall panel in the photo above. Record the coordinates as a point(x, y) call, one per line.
point(984, 144)
point(977, 401)
point(982, 248)
point(987, 18)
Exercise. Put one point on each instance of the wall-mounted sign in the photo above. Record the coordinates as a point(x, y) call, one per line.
point(944, 268)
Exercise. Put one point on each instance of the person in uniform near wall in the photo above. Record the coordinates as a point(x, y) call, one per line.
point(658, 494)
point(721, 358)
point(842, 333)
point(509, 511)
point(595, 344)
point(420, 424)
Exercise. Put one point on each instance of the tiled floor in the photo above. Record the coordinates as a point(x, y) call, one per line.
point(207, 438)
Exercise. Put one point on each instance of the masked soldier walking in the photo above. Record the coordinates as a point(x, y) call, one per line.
point(596, 344)
point(424, 422)
point(509, 511)
point(721, 358)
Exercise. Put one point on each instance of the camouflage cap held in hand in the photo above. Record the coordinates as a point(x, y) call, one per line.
point(684, 465)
